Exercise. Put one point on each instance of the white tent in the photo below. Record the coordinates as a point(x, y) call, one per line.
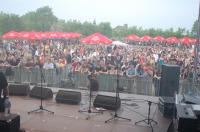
point(118, 43)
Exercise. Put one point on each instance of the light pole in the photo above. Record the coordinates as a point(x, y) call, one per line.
point(196, 50)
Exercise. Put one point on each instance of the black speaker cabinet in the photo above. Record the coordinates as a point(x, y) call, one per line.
point(166, 106)
point(186, 120)
point(10, 123)
point(19, 89)
point(68, 97)
point(170, 75)
point(44, 93)
point(107, 102)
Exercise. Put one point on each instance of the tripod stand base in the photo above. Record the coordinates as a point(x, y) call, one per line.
point(147, 121)
point(41, 108)
point(89, 111)
point(116, 116)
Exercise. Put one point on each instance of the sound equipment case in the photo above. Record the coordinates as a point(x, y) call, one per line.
point(166, 106)
point(9, 123)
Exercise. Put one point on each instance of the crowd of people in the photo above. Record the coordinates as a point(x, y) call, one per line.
point(132, 61)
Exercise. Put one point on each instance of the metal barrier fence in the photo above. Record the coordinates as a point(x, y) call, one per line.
point(33, 76)
point(144, 86)
point(108, 83)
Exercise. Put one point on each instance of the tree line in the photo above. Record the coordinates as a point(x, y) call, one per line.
point(43, 19)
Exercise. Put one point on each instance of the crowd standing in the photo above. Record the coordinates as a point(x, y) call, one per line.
point(140, 59)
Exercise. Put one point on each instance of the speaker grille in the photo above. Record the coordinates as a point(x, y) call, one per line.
point(68, 97)
point(19, 89)
point(41, 93)
point(107, 102)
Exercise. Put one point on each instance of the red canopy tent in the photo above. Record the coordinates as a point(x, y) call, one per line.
point(194, 40)
point(186, 40)
point(75, 35)
point(30, 35)
point(96, 38)
point(132, 37)
point(159, 38)
point(146, 37)
point(11, 34)
point(64, 35)
point(172, 39)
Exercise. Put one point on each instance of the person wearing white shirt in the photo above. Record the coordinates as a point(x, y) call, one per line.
point(155, 55)
point(48, 65)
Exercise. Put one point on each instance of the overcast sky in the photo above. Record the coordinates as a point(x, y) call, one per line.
point(145, 13)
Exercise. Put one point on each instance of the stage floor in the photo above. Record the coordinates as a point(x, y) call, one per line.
point(67, 118)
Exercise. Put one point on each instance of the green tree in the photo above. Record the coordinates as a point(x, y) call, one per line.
point(105, 29)
point(45, 18)
point(58, 26)
point(10, 22)
point(194, 29)
point(41, 20)
point(29, 20)
point(88, 28)
point(73, 26)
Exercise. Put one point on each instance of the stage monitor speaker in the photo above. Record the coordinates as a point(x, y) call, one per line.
point(10, 123)
point(36, 93)
point(170, 75)
point(107, 102)
point(19, 89)
point(68, 97)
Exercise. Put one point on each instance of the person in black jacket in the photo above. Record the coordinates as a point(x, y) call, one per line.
point(3, 90)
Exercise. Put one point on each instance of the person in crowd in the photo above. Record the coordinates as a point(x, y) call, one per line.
point(131, 71)
point(104, 70)
point(184, 73)
point(30, 64)
point(118, 70)
point(78, 68)
point(84, 68)
point(125, 67)
point(60, 66)
point(139, 70)
point(112, 70)
point(48, 64)
point(37, 63)
point(14, 62)
point(156, 80)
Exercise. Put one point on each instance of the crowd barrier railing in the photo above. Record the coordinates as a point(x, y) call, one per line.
point(33, 76)
point(107, 82)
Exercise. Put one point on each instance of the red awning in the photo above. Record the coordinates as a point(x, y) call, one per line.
point(146, 37)
point(96, 38)
point(132, 37)
point(11, 34)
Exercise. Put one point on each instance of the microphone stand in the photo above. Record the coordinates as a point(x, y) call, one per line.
point(90, 98)
point(148, 120)
point(42, 79)
point(117, 97)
